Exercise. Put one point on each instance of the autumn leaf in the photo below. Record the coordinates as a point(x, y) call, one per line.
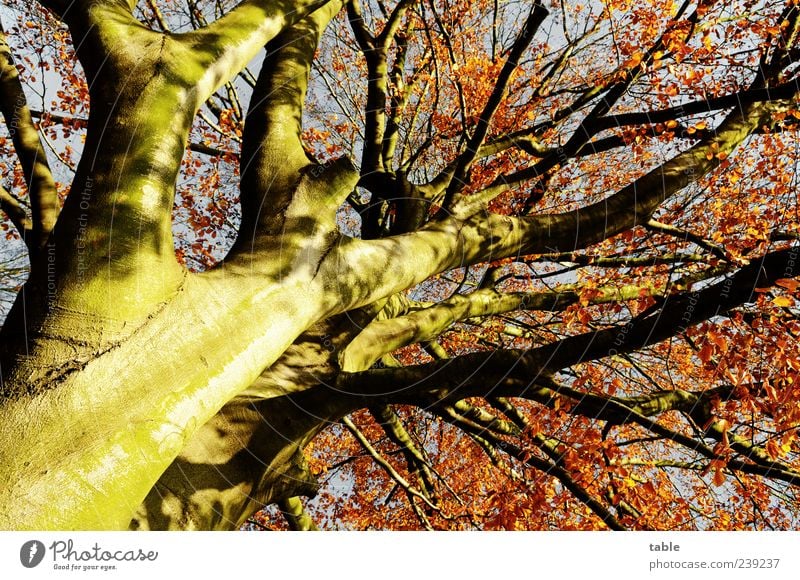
point(783, 301)
point(790, 284)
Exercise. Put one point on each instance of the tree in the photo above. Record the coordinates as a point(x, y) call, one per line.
point(511, 264)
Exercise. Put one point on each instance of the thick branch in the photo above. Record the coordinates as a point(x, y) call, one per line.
point(225, 46)
point(470, 236)
point(15, 212)
point(513, 373)
point(384, 336)
point(376, 55)
point(296, 516)
point(41, 187)
point(710, 105)
point(272, 151)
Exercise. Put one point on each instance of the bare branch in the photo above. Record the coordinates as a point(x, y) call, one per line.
point(396, 431)
point(380, 460)
point(689, 236)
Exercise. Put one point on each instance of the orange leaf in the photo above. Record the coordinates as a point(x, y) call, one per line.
point(788, 283)
point(719, 476)
point(772, 449)
point(706, 352)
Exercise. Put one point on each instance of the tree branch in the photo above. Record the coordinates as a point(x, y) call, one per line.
point(225, 46)
point(296, 516)
point(532, 23)
point(272, 151)
point(415, 460)
point(515, 373)
point(699, 241)
point(16, 213)
point(784, 91)
point(546, 467)
point(411, 491)
point(469, 236)
point(41, 187)
point(381, 337)
point(376, 53)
